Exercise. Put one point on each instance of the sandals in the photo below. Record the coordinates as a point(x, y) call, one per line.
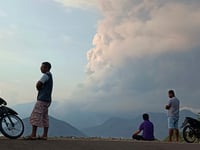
point(29, 138)
point(34, 138)
point(42, 138)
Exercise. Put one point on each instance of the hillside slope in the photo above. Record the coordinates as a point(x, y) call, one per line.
point(57, 128)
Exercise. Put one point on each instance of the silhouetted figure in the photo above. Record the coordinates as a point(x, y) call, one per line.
point(39, 116)
point(173, 115)
point(147, 128)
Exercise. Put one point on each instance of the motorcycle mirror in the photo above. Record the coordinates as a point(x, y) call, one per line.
point(2, 101)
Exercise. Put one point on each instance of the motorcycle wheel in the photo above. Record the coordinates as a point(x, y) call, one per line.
point(189, 134)
point(9, 130)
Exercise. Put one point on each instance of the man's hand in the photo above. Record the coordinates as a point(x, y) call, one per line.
point(167, 107)
point(39, 85)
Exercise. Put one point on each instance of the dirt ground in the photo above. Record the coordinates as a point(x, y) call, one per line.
point(91, 144)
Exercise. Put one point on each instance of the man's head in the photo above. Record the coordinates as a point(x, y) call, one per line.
point(45, 67)
point(145, 117)
point(171, 93)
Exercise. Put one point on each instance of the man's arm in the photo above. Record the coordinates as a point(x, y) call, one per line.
point(168, 106)
point(39, 85)
point(41, 82)
point(137, 132)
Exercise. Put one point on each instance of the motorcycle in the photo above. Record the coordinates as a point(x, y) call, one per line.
point(191, 130)
point(11, 126)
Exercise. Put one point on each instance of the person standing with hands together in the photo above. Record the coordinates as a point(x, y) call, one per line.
point(39, 116)
point(173, 115)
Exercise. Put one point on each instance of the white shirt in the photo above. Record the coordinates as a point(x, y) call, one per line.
point(44, 78)
point(174, 107)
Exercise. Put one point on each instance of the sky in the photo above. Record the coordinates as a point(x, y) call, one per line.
point(33, 31)
point(108, 56)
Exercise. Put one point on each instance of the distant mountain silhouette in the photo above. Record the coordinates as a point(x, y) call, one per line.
point(113, 127)
point(57, 128)
point(76, 117)
point(123, 128)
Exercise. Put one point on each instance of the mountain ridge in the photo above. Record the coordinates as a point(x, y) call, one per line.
point(115, 127)
point(57, 128)
point(108, 126)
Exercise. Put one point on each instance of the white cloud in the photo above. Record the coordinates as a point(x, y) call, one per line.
point(83, 4)
point(131, 30)
point(137, 55)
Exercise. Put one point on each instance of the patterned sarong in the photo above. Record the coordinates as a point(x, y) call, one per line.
point(39, 116)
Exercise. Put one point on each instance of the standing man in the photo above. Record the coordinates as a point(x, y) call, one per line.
point(173, 115)
point(147, 128)
point(39, 116)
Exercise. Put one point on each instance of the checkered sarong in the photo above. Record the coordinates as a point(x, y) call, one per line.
point(39, 116)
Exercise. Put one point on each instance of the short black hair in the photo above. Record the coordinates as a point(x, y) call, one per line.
point(47, 64)
point(171, 92)
point(145, 116)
